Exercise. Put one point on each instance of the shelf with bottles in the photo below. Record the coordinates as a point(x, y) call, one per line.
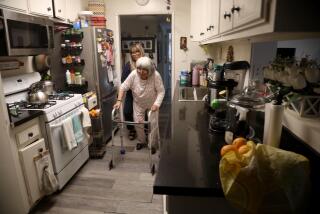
point(71, 61)
point(72, 35)
point(71, 48)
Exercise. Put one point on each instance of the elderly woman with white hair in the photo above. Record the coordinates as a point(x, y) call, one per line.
point(147, 90)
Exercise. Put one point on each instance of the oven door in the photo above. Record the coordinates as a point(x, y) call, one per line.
point(60, 154)
point(25, 35)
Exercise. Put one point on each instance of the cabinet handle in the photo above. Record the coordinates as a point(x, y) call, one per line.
point(49, 8)
point(208, 28)
point(235, 9)
point(226, 15)
point(30, 134)
point(201, 34)
point(191, 36)
point(211, 27)
point(59, 10)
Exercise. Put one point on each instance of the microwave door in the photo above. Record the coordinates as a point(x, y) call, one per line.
point(25, 34)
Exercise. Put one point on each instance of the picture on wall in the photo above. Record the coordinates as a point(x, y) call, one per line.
point(148, 43)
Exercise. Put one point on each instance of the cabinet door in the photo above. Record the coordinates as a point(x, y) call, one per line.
point(247, 11)
point(213, 13)
point(17, 4)
point(226, 16)
point(197, 24)
point(60, 9)
point(41, 7)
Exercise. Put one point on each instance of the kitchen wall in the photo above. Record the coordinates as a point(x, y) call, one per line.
point(180, 10)
point(241, 50)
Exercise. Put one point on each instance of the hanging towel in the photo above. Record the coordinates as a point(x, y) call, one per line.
point(69, 138)
point(77, 129)
point(86, 121)
point(49, 181)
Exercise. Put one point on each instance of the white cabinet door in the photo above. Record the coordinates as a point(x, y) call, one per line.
point(197, 20)
point(247, 11)
point(226, 16)
point(41, 7)
point(212, 17)
point(60, 9)
point(14, 4)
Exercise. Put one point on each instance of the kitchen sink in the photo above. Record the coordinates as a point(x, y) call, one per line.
point(192, 94)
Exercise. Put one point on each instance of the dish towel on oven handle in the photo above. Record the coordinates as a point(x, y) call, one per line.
point(68, 133)
point(86, 121)
point(77, 129)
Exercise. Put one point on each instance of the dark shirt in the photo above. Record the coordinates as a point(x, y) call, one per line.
point(128, 103)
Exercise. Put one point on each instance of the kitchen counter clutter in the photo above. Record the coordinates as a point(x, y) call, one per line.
point(188, 172)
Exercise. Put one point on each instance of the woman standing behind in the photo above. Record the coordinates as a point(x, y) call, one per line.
point(136, 51)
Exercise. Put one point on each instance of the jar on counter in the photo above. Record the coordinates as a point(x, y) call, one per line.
point(185, 78)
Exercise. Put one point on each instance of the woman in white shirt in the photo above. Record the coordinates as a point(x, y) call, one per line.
point(147, 90)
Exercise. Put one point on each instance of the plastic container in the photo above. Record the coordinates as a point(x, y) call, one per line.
point(195, 76)
point(185, 78)
point(78, 78)
point(68, 77)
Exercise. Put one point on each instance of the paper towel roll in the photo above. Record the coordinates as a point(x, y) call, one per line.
point(273, 124)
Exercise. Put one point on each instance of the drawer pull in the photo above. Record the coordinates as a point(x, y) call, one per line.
point(235, 9)
point(30, 134)
point(226, 15)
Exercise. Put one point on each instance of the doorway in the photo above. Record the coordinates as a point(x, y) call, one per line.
point(154, 32)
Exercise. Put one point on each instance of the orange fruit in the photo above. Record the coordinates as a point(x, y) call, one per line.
point(227, 148)
point(239, 141)
point(243, 149)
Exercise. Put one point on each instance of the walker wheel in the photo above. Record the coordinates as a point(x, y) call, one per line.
point(153, 169)
point(122, 151)
point(110, 165)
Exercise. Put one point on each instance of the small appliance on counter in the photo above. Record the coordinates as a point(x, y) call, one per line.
point(245, 114)
point(238, 71)
point(219, 92)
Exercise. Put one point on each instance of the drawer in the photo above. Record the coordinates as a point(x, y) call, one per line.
point(29, 135)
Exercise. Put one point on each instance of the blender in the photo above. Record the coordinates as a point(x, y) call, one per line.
point(219, 92)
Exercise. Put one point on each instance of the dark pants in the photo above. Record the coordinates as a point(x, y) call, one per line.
point(128, 110)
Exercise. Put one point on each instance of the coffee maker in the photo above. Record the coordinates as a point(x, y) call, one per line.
point(219, 92)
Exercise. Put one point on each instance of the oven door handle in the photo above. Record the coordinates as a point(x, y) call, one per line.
point(60, 124)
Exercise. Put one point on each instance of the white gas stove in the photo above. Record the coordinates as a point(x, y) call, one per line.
point(61, 107)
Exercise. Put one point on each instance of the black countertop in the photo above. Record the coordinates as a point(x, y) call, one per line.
point(189, 162)
point(24, 116)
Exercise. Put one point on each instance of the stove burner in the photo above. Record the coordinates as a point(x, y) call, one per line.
point(60, 96)
point(24, 105)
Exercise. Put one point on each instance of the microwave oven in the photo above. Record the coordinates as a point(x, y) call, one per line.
point(25, 35)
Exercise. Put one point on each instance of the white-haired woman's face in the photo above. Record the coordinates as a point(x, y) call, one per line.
point(143, 73)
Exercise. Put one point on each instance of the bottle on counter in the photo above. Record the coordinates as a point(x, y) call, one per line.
point(195, 76)
point(78, 78)
point(72, 75)
point(68, 77)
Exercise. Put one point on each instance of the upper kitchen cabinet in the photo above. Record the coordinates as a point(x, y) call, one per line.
point(262, 20)
point(20, 5)
point(212, 20)
point(60, 9)
point(41, 7)
point(241, 13)
point(204, 19)
point(197, 19)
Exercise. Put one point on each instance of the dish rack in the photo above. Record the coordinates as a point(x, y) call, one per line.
point(304, 105)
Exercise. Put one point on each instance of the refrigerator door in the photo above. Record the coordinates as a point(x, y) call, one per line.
point(105, 86)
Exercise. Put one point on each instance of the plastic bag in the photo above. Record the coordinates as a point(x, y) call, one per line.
point(266, 180)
